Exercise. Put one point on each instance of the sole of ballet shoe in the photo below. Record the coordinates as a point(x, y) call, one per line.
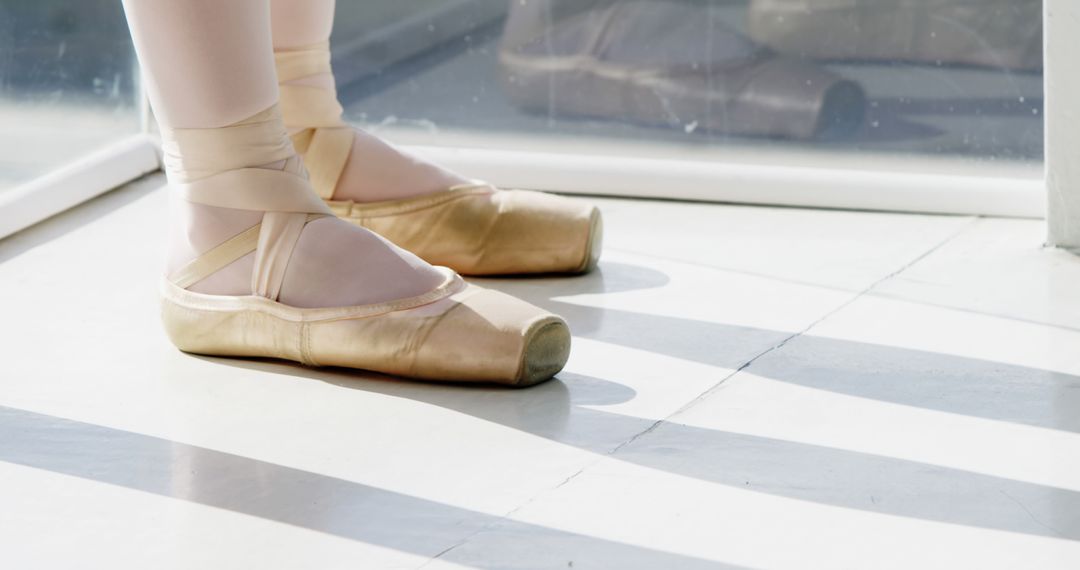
point(456, 333)
point(595, 244)
point(546, 350)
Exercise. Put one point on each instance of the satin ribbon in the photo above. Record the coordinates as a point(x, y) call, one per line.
point(218, 167)
point(313, 116)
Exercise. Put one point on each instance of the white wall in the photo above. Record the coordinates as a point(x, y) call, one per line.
point(1063, 122)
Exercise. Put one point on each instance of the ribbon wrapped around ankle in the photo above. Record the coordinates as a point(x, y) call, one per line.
point(313, 115)
point(221, 167)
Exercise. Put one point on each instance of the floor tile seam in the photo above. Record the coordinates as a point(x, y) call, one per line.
point(828, 314)
point(723, 269)
point(975, 221)
point(969, 311)
point(716, 267)
point(528, 501)
point(873, 293)
point(708, 391)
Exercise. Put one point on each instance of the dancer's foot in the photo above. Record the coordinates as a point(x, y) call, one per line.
point(260, 267)
point(445, 219)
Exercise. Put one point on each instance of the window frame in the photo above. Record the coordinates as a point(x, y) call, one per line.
point(1061, 25)
point(890, 185)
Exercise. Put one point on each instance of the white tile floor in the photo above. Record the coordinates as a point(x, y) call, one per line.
point(749, 388)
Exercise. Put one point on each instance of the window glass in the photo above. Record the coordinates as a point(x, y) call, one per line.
point(955, 79)
point(67, 83)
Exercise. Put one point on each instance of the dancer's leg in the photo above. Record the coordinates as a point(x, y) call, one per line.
point(375, 170)
point(203, 71)
point(209, 64)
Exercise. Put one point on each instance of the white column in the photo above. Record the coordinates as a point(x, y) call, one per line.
point(1062, 73)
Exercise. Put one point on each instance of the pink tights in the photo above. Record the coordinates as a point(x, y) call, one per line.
point(208, 64)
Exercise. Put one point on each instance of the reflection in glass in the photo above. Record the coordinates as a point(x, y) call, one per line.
point(643, 61)
point(952, 78)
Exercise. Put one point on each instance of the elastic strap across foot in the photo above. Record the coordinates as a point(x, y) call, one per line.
point(212, 167)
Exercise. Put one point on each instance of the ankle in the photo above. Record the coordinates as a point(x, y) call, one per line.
point(193, 156)
point(345, 164)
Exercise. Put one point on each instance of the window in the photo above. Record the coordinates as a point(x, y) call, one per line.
point(69, 106)
point(950, 89)
point(918, 105)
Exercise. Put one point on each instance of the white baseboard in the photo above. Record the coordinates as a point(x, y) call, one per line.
point(766, 184)
point(77, 182)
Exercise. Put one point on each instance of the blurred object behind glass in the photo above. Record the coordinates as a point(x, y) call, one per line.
point(796, 80)
point(1003, 34)
point(802, 80)
point(644, 61)
point(67, 83)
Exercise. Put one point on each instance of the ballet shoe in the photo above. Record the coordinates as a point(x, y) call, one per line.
point(454, 332)
point(475, 229)
point(480, 230)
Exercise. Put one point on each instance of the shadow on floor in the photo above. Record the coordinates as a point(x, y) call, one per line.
point(565, 411)
point(943, 382)
point(562, 411)
point(291, 496)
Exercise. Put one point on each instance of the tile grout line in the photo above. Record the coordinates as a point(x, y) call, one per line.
point(712, 389)
point(868, 289)
point(705, 265)
point(722, 269)
point(779, 279)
